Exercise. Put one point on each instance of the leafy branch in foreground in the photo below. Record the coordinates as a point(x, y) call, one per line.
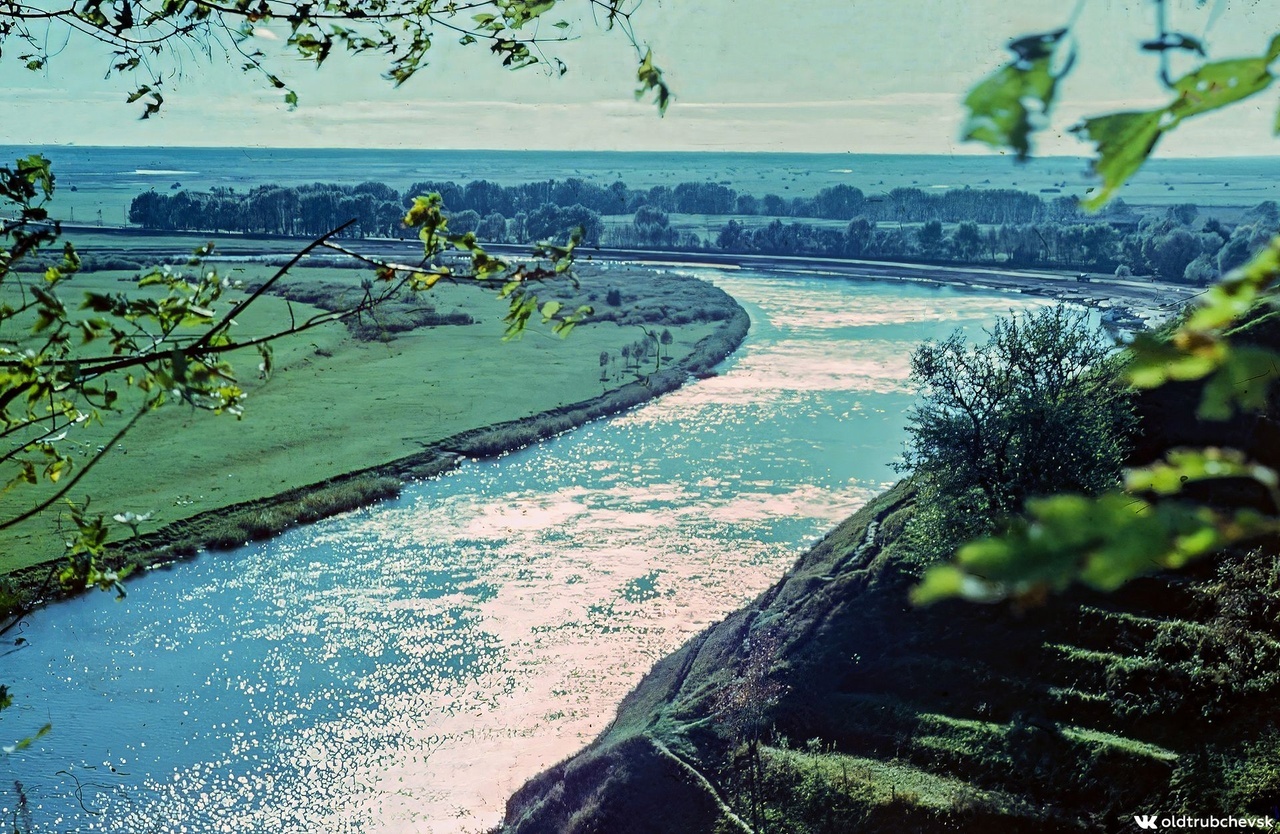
point(1012, 103)
point(64, 369)
point(119, 356)
point(401, 32)
point(1102, 542)
point(1009, 105)
point(1123, 141)
point(1145, 526)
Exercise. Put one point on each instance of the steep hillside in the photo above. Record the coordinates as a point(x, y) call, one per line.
point(831, 704)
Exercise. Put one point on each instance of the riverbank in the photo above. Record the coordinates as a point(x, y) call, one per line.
point(830, 703)
point(489, 621)
point(497, 389)
point(1142, 301)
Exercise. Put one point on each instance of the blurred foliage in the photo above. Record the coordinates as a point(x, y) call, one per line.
point(1141, 525)
point(1136, 528)
point(1007, 107)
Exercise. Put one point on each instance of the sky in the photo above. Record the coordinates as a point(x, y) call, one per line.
point(832, 76)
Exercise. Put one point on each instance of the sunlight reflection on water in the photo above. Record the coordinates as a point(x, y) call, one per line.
point(408, 666)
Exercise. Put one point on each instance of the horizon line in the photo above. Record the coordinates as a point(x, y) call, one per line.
point(976, 154)
point(763, 152)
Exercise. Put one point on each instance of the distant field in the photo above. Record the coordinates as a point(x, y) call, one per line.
point(337, 404)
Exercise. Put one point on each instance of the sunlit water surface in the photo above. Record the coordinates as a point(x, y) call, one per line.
point(406, 667)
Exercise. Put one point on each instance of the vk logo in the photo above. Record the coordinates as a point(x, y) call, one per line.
point(1146, 821)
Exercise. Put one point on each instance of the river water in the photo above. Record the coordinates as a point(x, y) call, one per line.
point(407, 666)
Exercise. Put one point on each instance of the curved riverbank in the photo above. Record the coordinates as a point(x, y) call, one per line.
point(234, 525)
point(830, 703)
point(445, 646)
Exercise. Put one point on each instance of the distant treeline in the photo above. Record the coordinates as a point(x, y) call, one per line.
point(311, 210)
point(1003, 226)
point(317, 208)
point(1176, 246)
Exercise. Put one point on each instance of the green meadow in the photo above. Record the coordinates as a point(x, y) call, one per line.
point(346, 398)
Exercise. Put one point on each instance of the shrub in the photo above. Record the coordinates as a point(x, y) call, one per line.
point(1035, 410)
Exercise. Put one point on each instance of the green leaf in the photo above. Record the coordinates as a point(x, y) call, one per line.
point(1181, 466)
point(1125, 140)
point(29, 740)
point(1240, 382)
point(651, 80)
point(1236, 294)
point(1155, 361)
point(1102, 542)
point(1006, 107)
point(944, 581)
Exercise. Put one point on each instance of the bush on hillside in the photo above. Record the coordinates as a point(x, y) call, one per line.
point(1036, 409)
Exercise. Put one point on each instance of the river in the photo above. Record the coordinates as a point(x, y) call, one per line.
point(407, 666)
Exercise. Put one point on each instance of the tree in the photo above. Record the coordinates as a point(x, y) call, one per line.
point(967, 241)
point(652, 345)
point(653, 226)
point(839, 202)
point(1035, 409)
point(552, 222)
point(930, 238)
point(1100, 244)
point(1184, 214)
point(731, 236)
point(1170, 253)
point(465, 221)
point(493, 228)
point(860, 237)
point(1201, 271)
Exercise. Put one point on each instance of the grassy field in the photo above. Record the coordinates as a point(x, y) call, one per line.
point(338, 404)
